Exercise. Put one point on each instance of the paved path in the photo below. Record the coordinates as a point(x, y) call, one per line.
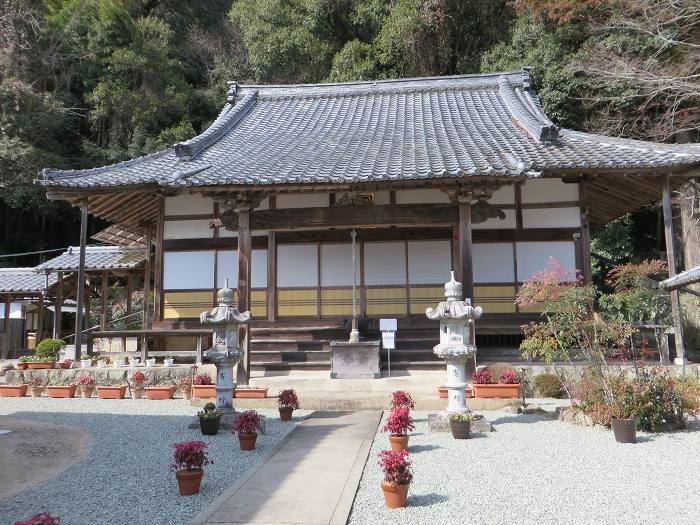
point(310, 478)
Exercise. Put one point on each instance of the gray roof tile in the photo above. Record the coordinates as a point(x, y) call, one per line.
point(23, 280)
point(96, 258)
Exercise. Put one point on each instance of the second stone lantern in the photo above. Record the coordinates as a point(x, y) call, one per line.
point(456, 318)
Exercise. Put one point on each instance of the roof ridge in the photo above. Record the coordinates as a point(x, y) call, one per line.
point(525, 112)
point(21, 269)
point(47, 174)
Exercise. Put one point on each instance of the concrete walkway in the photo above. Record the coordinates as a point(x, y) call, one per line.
point(310, 478)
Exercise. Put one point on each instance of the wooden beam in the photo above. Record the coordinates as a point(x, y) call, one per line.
point(671, 259)
point(58, 307)
point(146, 289)
point(243, 289)
point(6, 327)
point(103, 302)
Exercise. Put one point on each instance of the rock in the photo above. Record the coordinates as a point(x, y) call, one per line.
point(574, 416)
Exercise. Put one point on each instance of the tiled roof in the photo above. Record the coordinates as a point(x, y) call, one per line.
point(411, 129)
point(23, 280)
point(682, 279)
point(96, 258)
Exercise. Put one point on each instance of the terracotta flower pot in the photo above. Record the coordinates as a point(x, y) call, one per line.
point(187, 393)
point(247, 441)
point(21, 366)
point(498, 390)
point(203, 391)
point(188, 481)
point(86, 391)
point(460, 429)
point(13, 390)
point(443, 391)
point(41, 366)
point(250, 393)
point(61, 391)
point(286, 413)
point(136, 393)
point(156, 393)
point(398, 443)
point(625, 430)
point(209, 427)
point(36, 391)
point(111, 392)
point(395, 495)
point(65, 365)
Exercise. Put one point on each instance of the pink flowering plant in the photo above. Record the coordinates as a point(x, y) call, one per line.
point(86, 380)
point(396, 467)
point(399, 422)
point(288, 399)
point(185, 382)
point(138, 380)
point(401, 399)
point(509, 377)
point(202, 379)
point(482, 377)
point(43, 518)
point(190, 455)
point(247, 422)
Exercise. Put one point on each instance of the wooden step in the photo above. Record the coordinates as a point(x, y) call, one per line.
point(272, 356)
point(302, 365)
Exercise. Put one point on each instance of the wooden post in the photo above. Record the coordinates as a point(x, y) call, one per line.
point(243, 288)
point(271, 276)
point(6, 327)
point(80, 294)
point(671, 259)
point(586, 270)
point(58, 306)
point(466, 273)
point(103, 303)
point(158, 264)
point(146, 292)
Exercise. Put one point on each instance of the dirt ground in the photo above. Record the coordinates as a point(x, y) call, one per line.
point(35, 451)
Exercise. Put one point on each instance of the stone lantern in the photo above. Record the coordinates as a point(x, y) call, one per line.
point(456, 318)
point(225, 352)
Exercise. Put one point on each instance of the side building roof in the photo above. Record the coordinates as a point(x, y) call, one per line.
point(24, 280)
point(96, 258)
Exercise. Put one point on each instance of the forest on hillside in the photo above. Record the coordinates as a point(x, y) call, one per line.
point(90, 82)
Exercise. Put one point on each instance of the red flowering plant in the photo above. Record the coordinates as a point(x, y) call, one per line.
point(202, 379)
point(43, 518)
point(509, 377)
point(86, 380)
point(396, 467)
point(401, 399)
point(288, 399)
point(247, 422)
point(190, 455)
point(482, 377)
point(399, 422)
point(138, 380)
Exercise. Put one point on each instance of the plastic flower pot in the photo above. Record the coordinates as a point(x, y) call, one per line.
point(460, 429)
point(203, 391)
point(118, 363)
point(61, 391)
point(168, 362)
point(134, 361)
point(247, 441)
point(101, 364)
point(286, 413)
point(85, 363)
point(41, 366)
point(13, 390)
point(210, 427)
point(188, 481)
point(395, 495)
point(156, 393)
point(150, 363)
point(249, 393)
point(398, 443)
point(501, 390)
point(86, 391)
point(625, 430)
point(36, 391)
point(111, 392)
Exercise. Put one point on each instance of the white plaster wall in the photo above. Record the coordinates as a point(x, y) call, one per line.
point(336, 264)
point(493, 262)
point(188, 204)
point(426, 196)
point(534, 257)
point(508, 223)
point(503, 195)
point(297, 265)
point(196, 229)
point(548, 190)
point(303, 200)
point(188, 270)
point(552, 218)
point(385, 263)
point(429, 262)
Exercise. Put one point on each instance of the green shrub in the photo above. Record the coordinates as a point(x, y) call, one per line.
point(49, 348)
point(548, 385)
point(209, 407)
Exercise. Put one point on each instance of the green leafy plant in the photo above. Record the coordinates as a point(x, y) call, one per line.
point(209, 406)
point(48, 349)
point(462, 418)
point(548, 385)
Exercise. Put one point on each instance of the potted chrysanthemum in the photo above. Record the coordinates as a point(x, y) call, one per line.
point(287, 401)
point(247, 425)
point(398, 424)
point(397, 477)
point(460, 425)
point(209, 420)
point(190, 460)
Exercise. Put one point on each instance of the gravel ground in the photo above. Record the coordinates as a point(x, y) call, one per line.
point(533, 469)
point(125, 478)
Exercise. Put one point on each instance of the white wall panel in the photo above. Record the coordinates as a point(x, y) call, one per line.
point(552, 218)
point(385, 263)
point(429, 262)
point(227, 266)
point(188, 270)
point(188, 204)
point(297, 265)
point(258, 272)
point(497, 224)
point(493, 263)
point(548, 190)
point(302, 200)
point(421, 196)
point(503, 195)
point(197, 229)
point(534, 257)
point(336, 264)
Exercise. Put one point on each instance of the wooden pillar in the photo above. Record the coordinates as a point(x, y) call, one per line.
point(671, 259)
point(58, 307)
point(586, 270)
point(158, 264)
point(40, 319)
point(271, 276)
point(103, 302)
point(6, 327)
point(146, 291)
point(80, 294)
point(243, 288)
point(466, 272)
